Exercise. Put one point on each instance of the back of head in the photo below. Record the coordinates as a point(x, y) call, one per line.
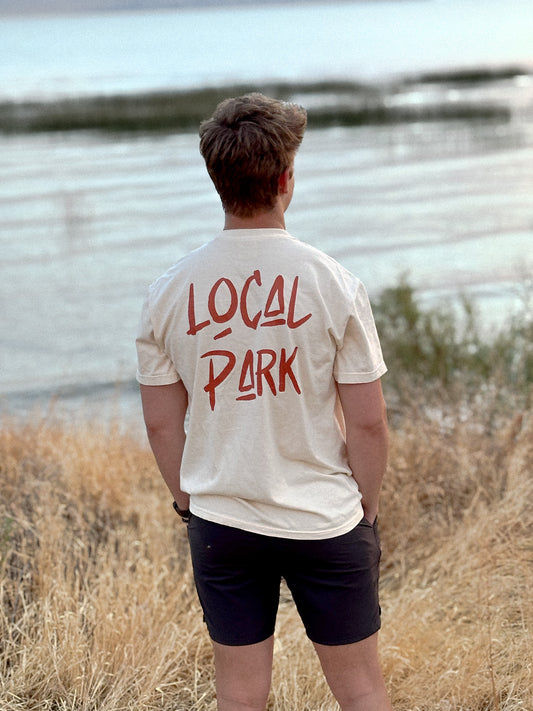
point(247, 144)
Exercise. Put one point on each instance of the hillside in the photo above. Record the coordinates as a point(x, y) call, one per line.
point(97, 601)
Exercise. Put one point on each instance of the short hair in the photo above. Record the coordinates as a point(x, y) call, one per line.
point(247, 144)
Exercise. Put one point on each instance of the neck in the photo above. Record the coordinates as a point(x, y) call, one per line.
point(274, 219)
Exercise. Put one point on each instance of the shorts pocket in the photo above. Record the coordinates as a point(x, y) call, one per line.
point(365, 522)
point(376, 532)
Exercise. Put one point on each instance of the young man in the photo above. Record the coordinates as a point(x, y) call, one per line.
point(271, 347)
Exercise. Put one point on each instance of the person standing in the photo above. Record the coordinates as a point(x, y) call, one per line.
point(270, 347)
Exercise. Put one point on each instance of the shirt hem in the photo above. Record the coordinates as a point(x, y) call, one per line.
point(361, 377)
point(251, 527)
point(157, 379)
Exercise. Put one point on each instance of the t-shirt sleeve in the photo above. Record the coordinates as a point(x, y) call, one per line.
point(154, 367)
point(359, 358)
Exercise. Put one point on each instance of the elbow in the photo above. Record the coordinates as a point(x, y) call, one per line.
point(153, 430)
point(375, 424)
point(156, 426)
point(157, 430)
point(376, 417)
point(377, 428)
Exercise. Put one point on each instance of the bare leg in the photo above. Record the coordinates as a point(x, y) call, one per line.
point(354, 675)
point(243, 675)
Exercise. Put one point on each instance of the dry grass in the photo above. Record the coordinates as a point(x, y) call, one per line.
point(99, 612)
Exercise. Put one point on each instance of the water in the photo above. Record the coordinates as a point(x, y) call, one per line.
point(87, 221)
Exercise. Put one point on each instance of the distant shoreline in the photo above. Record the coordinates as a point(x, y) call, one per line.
point(330, 103)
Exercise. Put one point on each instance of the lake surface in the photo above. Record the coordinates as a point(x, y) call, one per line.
point(87, 221)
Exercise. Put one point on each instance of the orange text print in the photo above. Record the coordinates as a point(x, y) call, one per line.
point(261, 371)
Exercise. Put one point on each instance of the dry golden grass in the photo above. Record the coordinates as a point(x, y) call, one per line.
point(98, 610)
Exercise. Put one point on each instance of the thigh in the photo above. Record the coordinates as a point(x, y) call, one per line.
point(354, 674)
point(243, 675)
point(334, 584)
point(237, 580)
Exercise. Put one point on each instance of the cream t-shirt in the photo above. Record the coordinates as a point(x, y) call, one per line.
point(259, 327)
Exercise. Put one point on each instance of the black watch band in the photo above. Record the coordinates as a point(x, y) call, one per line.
point(184, 513)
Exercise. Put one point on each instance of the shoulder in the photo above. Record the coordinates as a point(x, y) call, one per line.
point(327, 268)
point(175, 273)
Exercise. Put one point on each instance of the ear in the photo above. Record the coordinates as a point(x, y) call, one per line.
point(284, 180)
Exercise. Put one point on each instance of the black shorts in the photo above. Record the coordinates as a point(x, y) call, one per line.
point(334, 582)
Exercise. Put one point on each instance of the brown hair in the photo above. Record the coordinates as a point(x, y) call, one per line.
point(247, 144)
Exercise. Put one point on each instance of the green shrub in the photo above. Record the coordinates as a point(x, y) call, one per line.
point(447, 348)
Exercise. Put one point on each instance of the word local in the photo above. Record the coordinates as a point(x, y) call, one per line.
point(274, 311)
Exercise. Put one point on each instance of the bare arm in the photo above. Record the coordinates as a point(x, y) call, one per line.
point(164, 409)
point(366, 439)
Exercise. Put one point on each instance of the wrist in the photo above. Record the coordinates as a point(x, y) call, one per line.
point(370, 514)
point(184, 513)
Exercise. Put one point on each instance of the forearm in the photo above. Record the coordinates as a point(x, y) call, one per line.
point(167, 446)
point(164, 408)
point(365, 417)
point(367, 455)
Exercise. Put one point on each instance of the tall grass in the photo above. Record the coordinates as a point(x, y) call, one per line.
point(98, 610)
